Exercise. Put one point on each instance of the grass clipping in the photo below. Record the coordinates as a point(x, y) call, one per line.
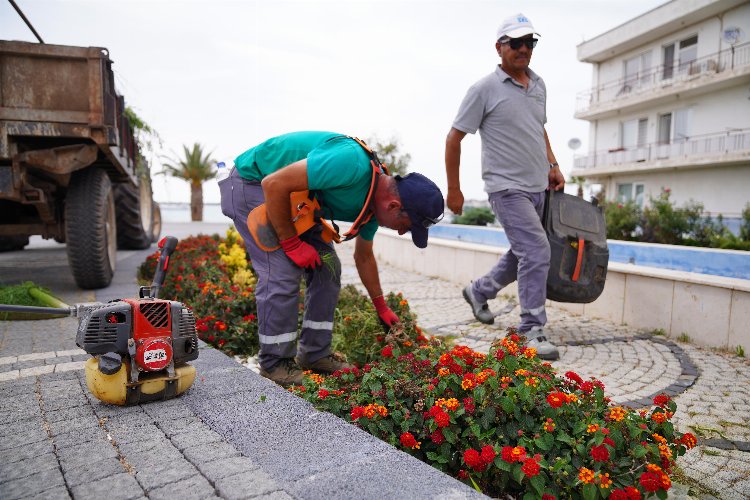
point(28, 294)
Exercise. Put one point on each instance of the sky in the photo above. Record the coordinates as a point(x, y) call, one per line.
point(230, 74)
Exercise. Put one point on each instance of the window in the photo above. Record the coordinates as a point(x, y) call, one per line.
point(633, 133)
point(686, 53)
point(630, 192)
point(674, 126)
point(636, 71)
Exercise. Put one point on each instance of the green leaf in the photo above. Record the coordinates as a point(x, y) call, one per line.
point(517, 473)
point(545, 442)
point(538, 483)
point(507, 404)
point(590, 491)
point(502, 464)
point(488, 417)
point(450, 436)
point(639, 451)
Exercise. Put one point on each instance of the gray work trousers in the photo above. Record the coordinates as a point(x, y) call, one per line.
point(278, 286)
point(528, 259)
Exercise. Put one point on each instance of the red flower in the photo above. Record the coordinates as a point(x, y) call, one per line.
point(586, 387)
point(511, 454)
point(437, 437)
point(462, 474)
point(629, 493)
point(248, 317)
point(211, 338)
point(488, 454)
point(387, 352)
point(222, 342)
point(600, 453)
point(547, 496)
point(473, 459)
point(609, 441)
point(688, 440)
point(661, 400)
point(408, 441)
point(574, 377)
point(650, 482)
point(530, 467)
point(499, 354)
point(556, 399)
point(442, 419)
point(322, 393)
point(469, 405)
point(357, 412)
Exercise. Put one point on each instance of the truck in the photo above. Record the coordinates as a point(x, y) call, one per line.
point(70, 164)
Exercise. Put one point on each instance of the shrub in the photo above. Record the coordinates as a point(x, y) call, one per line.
point(622, 220)
point(745, 224)
point(503, 422)
point(475, 216)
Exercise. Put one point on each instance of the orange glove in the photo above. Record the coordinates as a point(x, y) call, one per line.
point(387, 317)
point(303, 254)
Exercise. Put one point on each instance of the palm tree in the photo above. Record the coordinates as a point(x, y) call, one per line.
point(195, 168)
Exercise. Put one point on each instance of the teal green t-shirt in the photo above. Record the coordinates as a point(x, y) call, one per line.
point(338, 169)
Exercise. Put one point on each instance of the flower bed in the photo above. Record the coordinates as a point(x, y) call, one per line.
point(504, 422)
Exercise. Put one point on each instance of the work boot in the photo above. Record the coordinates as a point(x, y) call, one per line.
point(326, 365)
point(481, 310)
point(285, 373)
point(544, 348)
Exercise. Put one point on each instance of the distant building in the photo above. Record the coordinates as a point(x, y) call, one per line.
point(669, 106)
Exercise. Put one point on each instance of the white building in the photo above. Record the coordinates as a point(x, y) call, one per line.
point(669, 106)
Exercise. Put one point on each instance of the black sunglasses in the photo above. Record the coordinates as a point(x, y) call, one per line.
point(428, 221)
point(516, 43)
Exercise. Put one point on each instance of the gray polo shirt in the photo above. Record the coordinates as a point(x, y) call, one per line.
point(511, 122)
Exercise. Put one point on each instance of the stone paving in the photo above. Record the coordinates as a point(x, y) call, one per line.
point(711, 389)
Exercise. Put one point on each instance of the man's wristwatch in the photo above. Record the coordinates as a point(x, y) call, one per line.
point(553, 165)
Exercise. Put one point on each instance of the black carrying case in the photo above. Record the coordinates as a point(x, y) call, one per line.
point(577, 236)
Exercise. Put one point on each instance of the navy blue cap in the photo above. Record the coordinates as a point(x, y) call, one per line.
point(424, 203)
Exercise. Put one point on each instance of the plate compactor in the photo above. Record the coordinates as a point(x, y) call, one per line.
point(140, 346)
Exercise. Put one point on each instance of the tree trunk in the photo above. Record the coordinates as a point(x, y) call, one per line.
point(196, 201)
point(580, 191)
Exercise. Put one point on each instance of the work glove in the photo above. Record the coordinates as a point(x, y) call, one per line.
point(387, 317)
point(303, 254)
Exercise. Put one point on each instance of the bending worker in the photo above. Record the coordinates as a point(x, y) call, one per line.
point(339, 171)
point(509, 108)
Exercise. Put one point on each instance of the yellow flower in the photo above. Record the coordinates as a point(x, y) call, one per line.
point(617, 413)
point(592, 428)
point(531, 382)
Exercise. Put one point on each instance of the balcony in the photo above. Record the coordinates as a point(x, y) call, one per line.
point(724, 148)
point(662, 81)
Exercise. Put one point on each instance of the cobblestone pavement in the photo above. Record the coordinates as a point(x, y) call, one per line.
point(711, 389)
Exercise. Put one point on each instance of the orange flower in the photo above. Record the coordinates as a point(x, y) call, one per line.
point(586, 475)
point(604, 481)
point(531, 382)
point(449, 404)
point(688, 440)
point(403, 303)
point(506, 380)
point(617, 413)
point(659, 417)
point(529, 352)
point(444, 372)
point(549, 425)
point(521, 372)
point(592, 428)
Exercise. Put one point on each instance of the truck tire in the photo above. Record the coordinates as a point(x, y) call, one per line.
point(156, 226)
point(134, 216)
point(11, 243)
point(91, 228)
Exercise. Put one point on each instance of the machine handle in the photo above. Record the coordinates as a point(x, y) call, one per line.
point(167, 246)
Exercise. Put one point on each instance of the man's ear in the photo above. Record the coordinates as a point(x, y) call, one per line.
point(394, 204)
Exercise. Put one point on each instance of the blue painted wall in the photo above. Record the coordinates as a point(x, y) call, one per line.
point(730, 263)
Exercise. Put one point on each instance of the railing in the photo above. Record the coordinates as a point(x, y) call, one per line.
point(662, 76)
point(732, 141)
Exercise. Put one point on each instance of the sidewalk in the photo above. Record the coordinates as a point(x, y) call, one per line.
point(236, 435)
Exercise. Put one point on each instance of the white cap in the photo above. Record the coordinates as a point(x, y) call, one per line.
point(516, 27)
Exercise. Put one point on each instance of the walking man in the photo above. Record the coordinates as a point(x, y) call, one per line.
point(508, 107)
point(339, 171)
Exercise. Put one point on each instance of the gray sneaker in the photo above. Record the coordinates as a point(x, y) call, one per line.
point(481, 311)
point(544, 348)
point(285, 373)
point(327, 365)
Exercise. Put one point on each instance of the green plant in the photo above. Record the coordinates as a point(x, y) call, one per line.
point(195, 167)
point(504, 422)
point(739, 351)
point(658, 331)
point(622, 220)
point(745, 224)
point(475, 216)
point(684, 337)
